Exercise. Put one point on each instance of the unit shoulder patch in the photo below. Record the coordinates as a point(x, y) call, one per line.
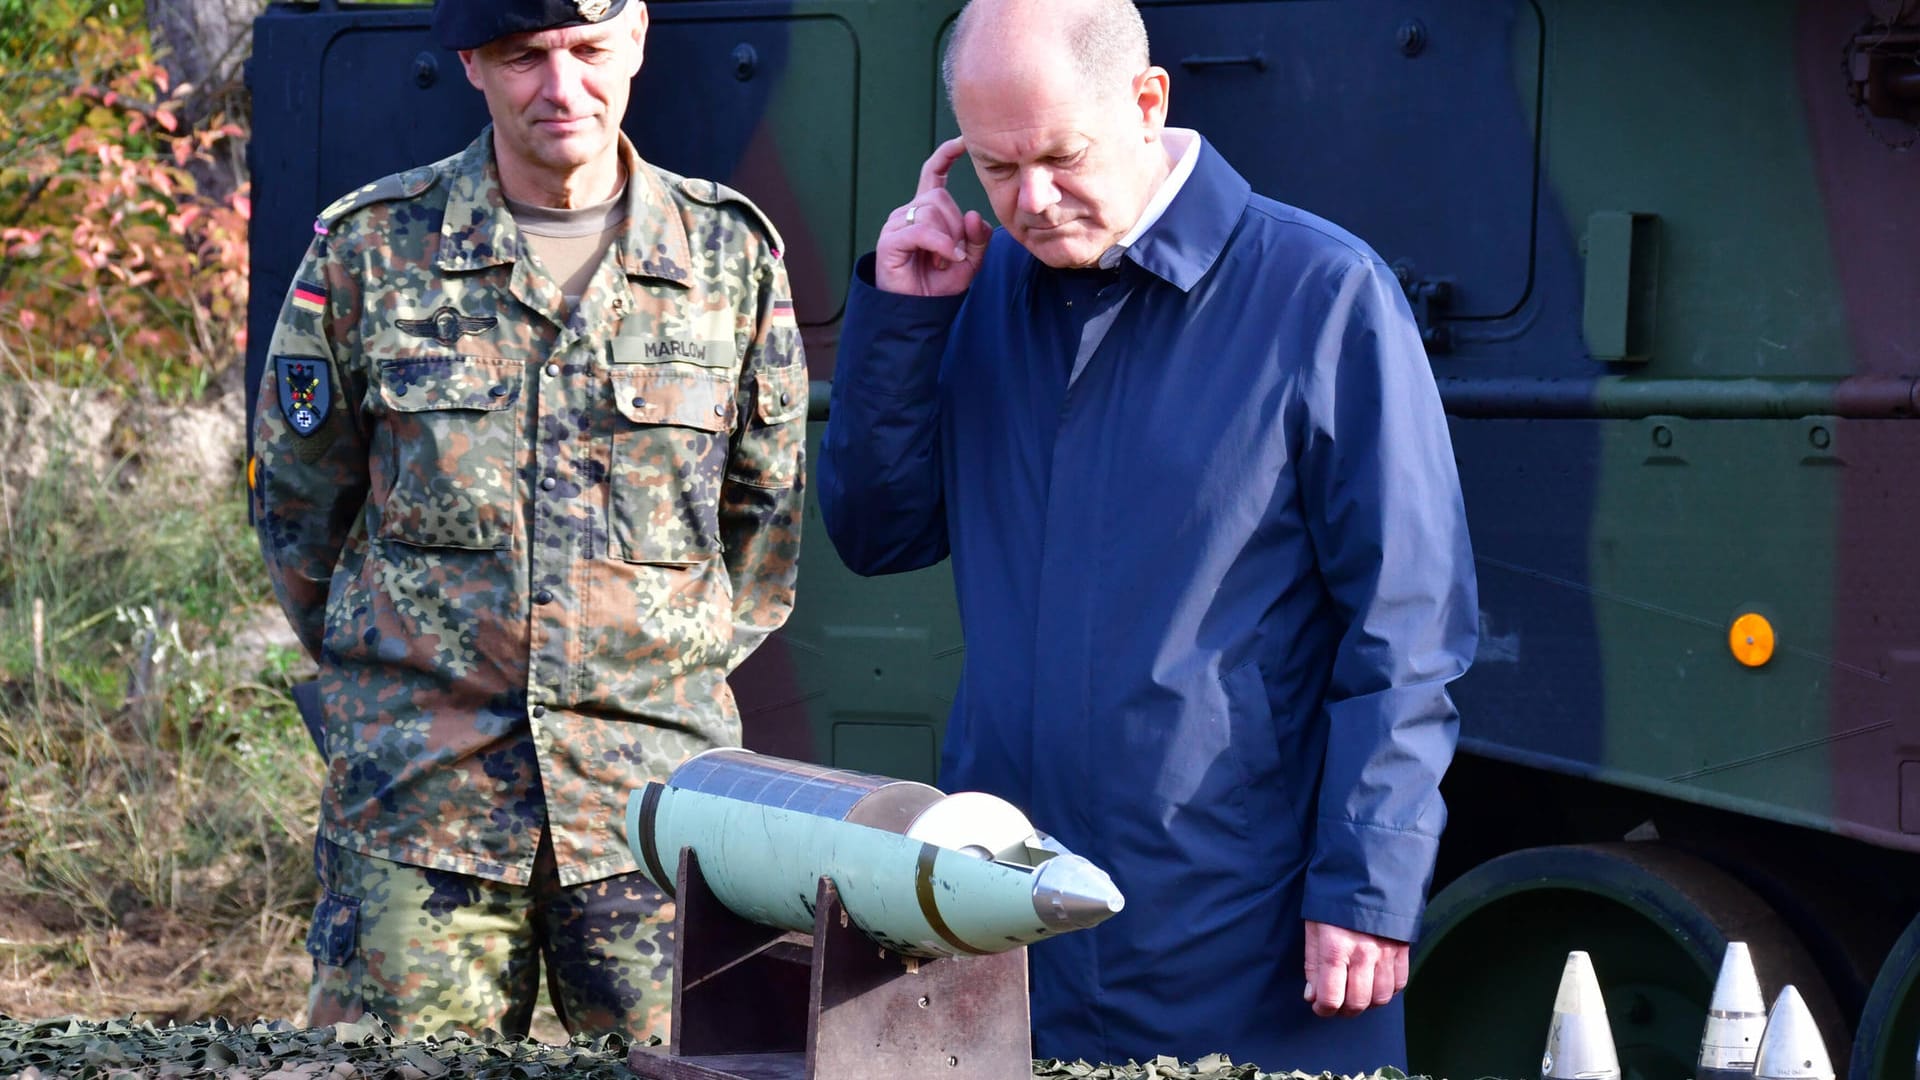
point(717, 194)
point(401, 185)
point(306, 392)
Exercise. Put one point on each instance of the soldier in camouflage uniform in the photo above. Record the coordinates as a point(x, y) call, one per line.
point(528, 486)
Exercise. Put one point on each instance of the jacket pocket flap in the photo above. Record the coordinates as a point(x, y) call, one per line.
point(452, 383)
point(674, 394)
point(782, 393)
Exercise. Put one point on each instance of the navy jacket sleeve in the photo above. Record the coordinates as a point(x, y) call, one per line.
point(879, 476)
point(1390, 533)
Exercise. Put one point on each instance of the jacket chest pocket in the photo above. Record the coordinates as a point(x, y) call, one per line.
point(669, 458)
point(456, 442)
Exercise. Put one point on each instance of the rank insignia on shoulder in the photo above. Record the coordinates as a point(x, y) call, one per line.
point(404, 185)
point(305, 392)
point(713, 194)
point(446, 325)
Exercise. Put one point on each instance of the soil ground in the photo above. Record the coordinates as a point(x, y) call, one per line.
point(153, 967)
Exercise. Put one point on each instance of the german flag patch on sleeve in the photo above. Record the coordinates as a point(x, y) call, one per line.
point(309, 298)
point(783, 314)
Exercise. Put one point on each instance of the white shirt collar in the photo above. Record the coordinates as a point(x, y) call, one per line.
point(1183, 146)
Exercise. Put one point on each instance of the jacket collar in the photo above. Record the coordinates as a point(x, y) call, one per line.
point(478, 232)
point(1181, 247)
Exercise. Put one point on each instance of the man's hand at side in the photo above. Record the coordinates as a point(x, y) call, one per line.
point(928, 247)
point(1348, 971)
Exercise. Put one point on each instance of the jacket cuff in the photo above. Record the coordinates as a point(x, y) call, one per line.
point(1369, 878)
point(888, 336)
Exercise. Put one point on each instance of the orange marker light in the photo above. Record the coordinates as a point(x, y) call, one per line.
point(1751, 639)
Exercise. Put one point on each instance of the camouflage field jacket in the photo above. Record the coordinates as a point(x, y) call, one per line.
point(527, 545)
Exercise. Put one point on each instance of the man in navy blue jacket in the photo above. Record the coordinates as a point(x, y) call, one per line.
point(1184, 448)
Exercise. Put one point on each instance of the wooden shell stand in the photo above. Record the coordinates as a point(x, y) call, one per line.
point(751, 1002)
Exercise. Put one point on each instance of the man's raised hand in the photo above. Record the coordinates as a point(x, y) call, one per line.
point(928, 247)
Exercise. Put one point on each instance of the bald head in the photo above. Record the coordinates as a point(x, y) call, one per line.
point(1104, 40)
point(1061, 113)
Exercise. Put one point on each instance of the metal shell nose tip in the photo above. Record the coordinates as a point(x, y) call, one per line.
point(1792, 1048)
point(1070, 893)
point(1736, 1017)
point(1579, 1040)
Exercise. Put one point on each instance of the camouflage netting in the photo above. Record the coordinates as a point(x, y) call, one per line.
point(278, 1051)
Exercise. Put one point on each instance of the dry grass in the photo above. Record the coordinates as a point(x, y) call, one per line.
point(157, 792)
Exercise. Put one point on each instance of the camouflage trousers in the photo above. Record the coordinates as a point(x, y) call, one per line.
point(433, 953)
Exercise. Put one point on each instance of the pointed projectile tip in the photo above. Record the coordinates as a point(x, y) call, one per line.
point(1736, 1017)
point(1791, 1048)
point(1070, 893)
point(1579, 988)
point(1579, 1041)
point(1737, 991)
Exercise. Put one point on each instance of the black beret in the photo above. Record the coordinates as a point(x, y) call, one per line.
point(469, 24)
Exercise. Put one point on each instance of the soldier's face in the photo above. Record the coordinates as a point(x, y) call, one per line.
point(557, 96)
point(1068, 169)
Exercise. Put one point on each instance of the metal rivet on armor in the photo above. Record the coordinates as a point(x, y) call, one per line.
point(1411, 37)
point(745, 60)
point(544, 596)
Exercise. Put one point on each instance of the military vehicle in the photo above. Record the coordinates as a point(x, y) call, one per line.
point(1668, 283)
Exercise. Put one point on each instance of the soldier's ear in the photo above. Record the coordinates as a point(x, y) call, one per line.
point(466, 61)
point(640, 21)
